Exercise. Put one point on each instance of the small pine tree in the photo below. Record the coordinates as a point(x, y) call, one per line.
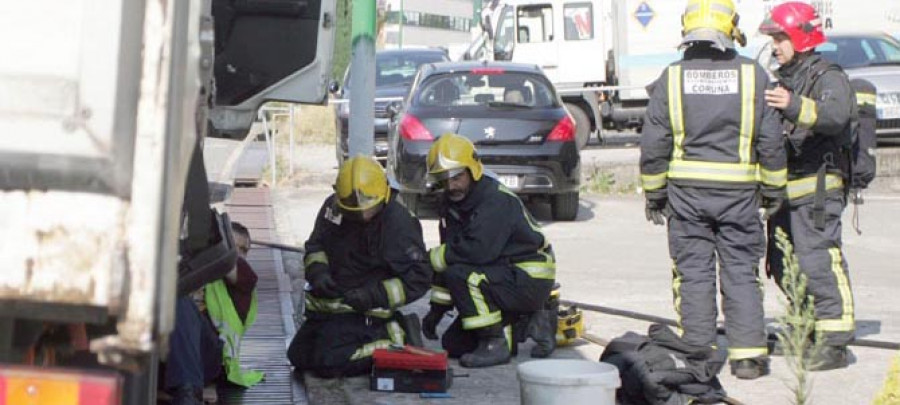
point(797, 322)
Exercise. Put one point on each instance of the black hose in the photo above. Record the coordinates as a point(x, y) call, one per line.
point(877, 344)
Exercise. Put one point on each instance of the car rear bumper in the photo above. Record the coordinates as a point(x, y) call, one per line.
point(554, 169)
point(887, 128)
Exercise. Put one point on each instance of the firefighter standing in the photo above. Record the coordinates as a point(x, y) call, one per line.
point(711, 154)
point(494, 262)
point(364, 258)
point(817, 103)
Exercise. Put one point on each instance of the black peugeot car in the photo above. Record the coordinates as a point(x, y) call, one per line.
point(512, 114)
point(394, 72)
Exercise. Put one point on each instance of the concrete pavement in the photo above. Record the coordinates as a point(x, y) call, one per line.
point(611, 256)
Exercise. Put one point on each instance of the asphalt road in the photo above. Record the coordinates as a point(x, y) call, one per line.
point(611, 256)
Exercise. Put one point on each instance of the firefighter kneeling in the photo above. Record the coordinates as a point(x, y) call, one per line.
point(364, 259)
point(494, 263)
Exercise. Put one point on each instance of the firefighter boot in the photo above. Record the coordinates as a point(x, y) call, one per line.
point(750, 369)
point(493, 349)
point(542, 329)
point(830, 358)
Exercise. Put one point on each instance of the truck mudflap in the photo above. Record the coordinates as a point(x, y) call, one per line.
point(211, 263)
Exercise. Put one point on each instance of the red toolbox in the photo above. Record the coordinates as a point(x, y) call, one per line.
point(410, 369)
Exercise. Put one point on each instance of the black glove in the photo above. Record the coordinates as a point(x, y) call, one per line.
point(656, 210)
point(322, 284)
point(770, 206)
point(432, 319)
point(360, 299)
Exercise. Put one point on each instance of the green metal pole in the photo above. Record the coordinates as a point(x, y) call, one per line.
point(402, 14)
point(362, 78)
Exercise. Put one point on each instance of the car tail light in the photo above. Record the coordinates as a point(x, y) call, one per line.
point(488, 71)
point(27, 385)
point(412, 129)
point(564, 130)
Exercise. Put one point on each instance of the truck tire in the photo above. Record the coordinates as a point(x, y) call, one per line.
point(411, 201)
point(582, 124)
point(564, 206)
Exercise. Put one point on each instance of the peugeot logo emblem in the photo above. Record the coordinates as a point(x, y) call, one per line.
point(489, 133)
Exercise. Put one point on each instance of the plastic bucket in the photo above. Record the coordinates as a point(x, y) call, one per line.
point(568, 382)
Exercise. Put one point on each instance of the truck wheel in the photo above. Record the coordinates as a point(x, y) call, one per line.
point(564, 206)
point(582, 125)
point(411, 201)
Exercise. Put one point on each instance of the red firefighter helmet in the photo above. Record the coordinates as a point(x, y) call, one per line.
point(799, 21)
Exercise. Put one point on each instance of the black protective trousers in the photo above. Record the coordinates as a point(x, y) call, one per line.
point(487, 296)
point(341, 345)
point(821, 260)
point(710, 228)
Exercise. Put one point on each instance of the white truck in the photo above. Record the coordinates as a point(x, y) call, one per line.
point(601, 54)
point(103, 107)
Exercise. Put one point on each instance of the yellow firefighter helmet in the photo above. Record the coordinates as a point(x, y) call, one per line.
point(450, 155)
point(361, 184)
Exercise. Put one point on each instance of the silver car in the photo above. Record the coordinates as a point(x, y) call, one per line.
point(874, 57)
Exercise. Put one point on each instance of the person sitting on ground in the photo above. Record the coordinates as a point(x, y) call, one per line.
point(364, 259)
point(494, 263)
point(231, 306)
point(197, 350)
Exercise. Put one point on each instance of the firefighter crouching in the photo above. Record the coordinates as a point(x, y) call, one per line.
point(494, 262)
point(711, 155)
point(364, 259)
point(817, 102)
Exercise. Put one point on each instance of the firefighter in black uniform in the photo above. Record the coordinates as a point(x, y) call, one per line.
point(817, 102)
point(494, 262)
point(364, 259)
point(711, 155)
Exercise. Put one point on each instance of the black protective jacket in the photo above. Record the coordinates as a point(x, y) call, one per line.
point(708, 125)
point(818, 118)
point(385, 253)
point(490, 227)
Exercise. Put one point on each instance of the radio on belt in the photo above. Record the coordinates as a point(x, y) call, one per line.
point(410, 369)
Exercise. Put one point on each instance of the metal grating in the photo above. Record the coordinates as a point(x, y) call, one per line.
point(265, 344)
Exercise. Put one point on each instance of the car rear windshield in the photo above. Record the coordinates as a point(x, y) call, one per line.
point(486, 89)
point(398, 69)
point(856, 51)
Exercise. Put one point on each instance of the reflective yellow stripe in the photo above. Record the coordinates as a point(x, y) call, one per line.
point(807, 185)
point(437, 258)
point(481, 321)
point(808, 113)
point(395, 293)
point(775, 178)
point(676, 297)
point(653, 181)
point(676, 116)
point(380, 313)
point(337, 306)
point(846, 323)
point(748, 111)
point(865, 98)
point(507, 333)
point(485, 317)
point(441, 295)
point(739, 353)
point(395, 332)
point(713, 171)
point(326, 305)
point(539, 270)
point(315, 257)
point(367, 349)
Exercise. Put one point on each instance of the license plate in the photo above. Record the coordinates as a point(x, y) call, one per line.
point(889, 112)
point(510, 181)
